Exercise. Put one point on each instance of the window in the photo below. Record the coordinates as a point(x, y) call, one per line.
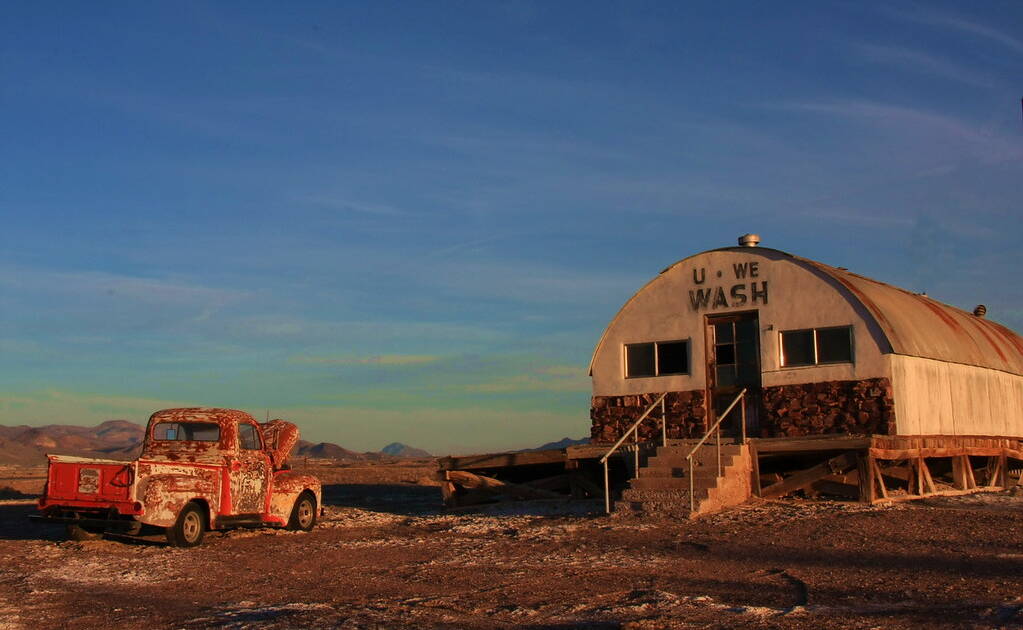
point(186, 432)
point(816, 346)
point(248, 438)
point(658, 358)
point(736, 354)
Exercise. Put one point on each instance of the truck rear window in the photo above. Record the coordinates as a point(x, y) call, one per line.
point(187, 432)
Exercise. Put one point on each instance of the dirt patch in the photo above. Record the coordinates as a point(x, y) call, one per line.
point(386, 556)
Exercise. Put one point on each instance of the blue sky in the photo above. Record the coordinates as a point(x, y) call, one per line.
point(411, 221)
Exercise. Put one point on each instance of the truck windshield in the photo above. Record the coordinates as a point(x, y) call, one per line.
point(186, 432)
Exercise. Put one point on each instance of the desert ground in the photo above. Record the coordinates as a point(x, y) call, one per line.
point(385, 555)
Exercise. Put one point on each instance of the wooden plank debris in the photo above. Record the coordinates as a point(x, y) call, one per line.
point(807, 477)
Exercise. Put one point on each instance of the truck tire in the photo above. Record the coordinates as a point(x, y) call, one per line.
point(80, 533)
point(303, 515)
point(190, 527)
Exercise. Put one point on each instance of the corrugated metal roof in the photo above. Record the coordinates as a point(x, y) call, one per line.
point(914, 324)
point(919, 326)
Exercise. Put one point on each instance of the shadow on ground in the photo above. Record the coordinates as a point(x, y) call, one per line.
point(397, 498)
point(14, 523)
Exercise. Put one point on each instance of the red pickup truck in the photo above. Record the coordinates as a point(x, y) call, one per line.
point(200, 469)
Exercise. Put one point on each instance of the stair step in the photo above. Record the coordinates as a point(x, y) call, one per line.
point(673, 496)
point(731, 449)
point(672, 483)
point(640, 508)
point(681, 472)
point(672, 461)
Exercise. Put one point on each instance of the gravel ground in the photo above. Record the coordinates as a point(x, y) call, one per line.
point(384, 556)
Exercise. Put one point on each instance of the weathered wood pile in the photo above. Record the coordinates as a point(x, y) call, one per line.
point(862, 407)
point(613, 415)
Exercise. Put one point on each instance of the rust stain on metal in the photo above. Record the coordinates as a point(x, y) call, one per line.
point(910, 321)
point(225, 475)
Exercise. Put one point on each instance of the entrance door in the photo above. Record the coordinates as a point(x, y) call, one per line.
point(733, 363)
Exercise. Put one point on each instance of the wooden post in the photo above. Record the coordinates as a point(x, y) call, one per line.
point(991, 472)
point(925, 473)
point(1003, 470)
point(959, 480)
point(865, 468)
point(971, 479)
point(880, 478)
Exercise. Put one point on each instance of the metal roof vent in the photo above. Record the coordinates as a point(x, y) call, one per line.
point(749, 240)
point(980, 311)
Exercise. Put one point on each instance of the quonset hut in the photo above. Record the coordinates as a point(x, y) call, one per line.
point(909, 392)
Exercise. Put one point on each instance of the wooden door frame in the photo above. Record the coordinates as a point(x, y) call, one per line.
point(709, 352)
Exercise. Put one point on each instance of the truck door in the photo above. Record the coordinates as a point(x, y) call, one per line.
point(250, 472)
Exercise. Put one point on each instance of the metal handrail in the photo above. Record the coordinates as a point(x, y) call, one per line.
point(716, 427)
point(634, 429)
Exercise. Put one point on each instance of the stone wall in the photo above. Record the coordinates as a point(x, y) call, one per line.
point(855, 407)
point(613, 415)
point(863, 407)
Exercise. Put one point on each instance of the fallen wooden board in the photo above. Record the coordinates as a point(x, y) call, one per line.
point(805, 478)
point(488, 487)
point(501, 460)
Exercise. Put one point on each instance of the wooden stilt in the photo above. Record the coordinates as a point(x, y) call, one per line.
point(912, 477)
point(925, 473)
point(865, 465)
point(959, 481)
point(880, 478)
point(991, 472)
point(971, 479)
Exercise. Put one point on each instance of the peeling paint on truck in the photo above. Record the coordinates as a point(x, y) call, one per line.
point(200, 468)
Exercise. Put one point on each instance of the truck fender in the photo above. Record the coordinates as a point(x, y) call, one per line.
point(287, 485)
point(163, 497)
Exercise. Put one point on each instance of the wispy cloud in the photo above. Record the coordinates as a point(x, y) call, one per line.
point(920, 62)
point(349, 205)
point(958, 23)
point(384, 359)
point(930, 127)
point(555, 378)
point(135, 288)
point(82, 408)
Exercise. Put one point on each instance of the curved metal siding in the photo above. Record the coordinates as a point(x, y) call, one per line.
point(918, 326)
point(915, 324)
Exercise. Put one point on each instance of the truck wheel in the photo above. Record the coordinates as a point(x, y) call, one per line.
point(190, 527)
point(303, 515)
point(80, 533)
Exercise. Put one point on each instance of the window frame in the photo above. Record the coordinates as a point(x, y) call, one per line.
point(816, 346)
point(256, 433)
point(157, 425)
point(657, 358)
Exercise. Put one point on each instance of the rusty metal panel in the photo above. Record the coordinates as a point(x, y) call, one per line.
point(919, 326)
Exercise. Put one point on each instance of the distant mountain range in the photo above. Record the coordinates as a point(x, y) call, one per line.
point(121, 439)
point(404, 451)
point(562, 443)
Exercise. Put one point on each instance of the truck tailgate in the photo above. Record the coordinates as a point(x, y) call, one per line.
point(92, 480)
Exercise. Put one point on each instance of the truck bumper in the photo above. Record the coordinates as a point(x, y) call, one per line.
point(105, 523)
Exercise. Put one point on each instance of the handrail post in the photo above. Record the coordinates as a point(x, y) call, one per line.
point(634, 430)
point(664, 424)
point(719, 449)
point(742, 408)
point(635, 452)
point(607, 491)
point(692, 488)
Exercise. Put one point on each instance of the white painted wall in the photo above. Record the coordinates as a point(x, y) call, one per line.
point(938, 398)
point(798, 298)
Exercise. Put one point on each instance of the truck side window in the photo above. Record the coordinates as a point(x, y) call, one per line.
point(248, 438)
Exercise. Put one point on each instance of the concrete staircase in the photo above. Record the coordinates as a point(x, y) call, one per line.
point(662, 483)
